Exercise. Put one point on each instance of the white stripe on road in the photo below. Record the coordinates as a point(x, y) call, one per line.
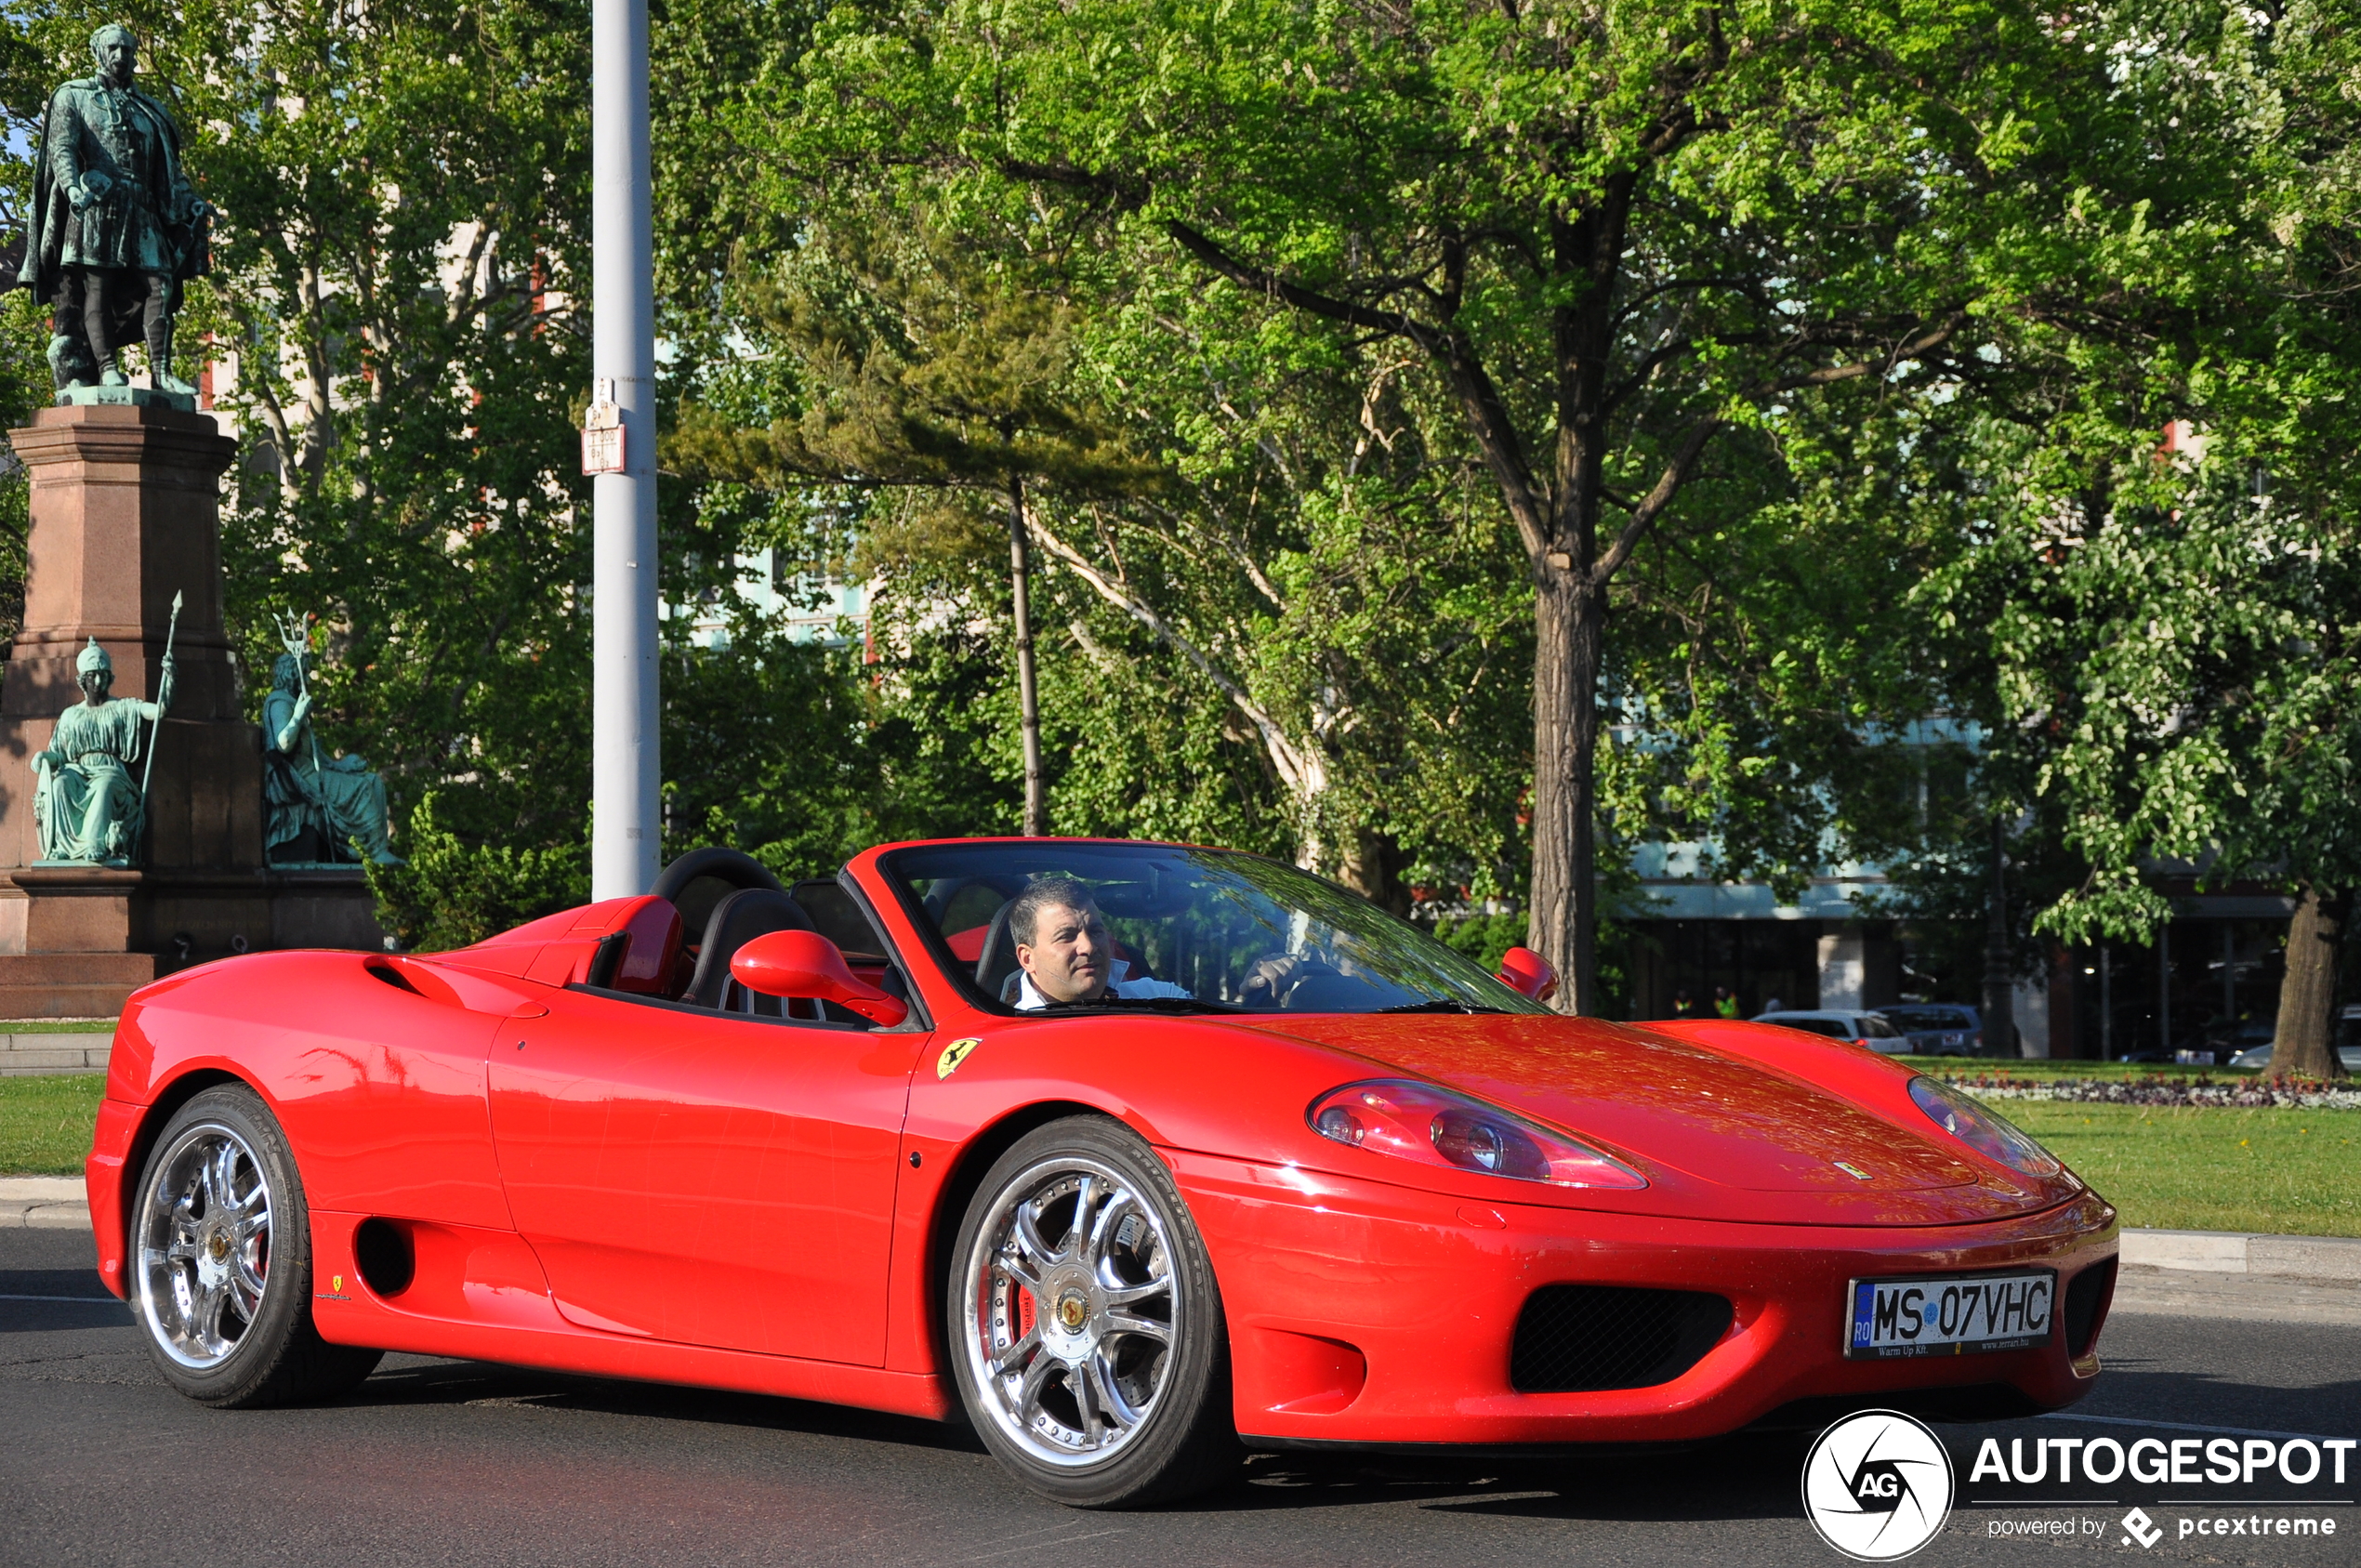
point(2175, 1426)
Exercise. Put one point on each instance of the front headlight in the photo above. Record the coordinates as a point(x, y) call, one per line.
point(1986, 1132)
point(1451, 1131)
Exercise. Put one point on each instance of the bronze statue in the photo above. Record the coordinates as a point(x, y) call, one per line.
point(86, 805)
point(116, 228)
point(327, 807)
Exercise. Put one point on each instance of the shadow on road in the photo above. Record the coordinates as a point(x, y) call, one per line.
point(466, 1382)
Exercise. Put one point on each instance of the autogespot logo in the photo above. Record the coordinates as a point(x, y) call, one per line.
point(1877, 1486)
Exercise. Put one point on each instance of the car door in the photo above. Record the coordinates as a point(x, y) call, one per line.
point(706, 1177)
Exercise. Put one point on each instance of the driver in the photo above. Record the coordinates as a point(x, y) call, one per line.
point(1064, 952)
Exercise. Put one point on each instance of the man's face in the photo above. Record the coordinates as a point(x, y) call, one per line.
point(1070, 954)
point(116, 57)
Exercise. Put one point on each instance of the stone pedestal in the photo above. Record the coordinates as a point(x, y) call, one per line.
point(125, 513)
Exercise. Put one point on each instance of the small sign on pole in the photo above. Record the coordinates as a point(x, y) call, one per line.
point(603, 430)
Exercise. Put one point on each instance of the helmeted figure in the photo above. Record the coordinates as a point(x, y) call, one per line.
point(116, 228)
point(339, 799)
point(86, 805)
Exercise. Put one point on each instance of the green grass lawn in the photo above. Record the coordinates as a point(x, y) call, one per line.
point(2209, 1169)
point(2297, 1172)
point(46, 1123)
point(57, 1026)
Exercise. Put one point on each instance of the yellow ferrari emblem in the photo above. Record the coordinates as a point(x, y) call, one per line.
point(336, 1282)
point(954, 1054)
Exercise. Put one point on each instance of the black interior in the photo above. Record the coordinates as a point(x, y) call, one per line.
point(736, 921)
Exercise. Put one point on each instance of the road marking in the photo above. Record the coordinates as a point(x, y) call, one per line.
point(2175, 1426)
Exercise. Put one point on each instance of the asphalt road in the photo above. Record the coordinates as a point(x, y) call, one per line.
point(457, 1462)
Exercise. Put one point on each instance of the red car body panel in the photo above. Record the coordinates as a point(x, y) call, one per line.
point(639, 1189)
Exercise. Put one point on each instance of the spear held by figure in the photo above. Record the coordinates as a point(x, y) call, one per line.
point(148, 769)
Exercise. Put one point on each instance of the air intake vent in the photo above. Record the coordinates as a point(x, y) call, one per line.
point(2086, 1306)
point(1581, 1339)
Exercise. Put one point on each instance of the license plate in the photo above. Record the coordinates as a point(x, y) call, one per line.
point(1950, 1314)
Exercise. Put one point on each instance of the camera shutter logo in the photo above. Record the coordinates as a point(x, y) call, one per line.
point(1877, 1486)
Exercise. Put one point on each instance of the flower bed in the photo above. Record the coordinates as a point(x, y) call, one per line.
point(2244, 1094)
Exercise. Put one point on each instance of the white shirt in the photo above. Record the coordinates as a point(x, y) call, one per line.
point(1029, 1000)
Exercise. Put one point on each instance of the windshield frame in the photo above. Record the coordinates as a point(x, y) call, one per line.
point(960, 975)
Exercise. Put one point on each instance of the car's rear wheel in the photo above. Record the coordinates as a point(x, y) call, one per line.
point(1085, 1326)
point(221, 1261)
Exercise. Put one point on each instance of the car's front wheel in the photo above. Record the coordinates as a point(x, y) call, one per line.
point(1085, 1327)
point(221, 1261)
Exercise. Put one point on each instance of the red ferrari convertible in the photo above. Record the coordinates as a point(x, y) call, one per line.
point(1133, 1154)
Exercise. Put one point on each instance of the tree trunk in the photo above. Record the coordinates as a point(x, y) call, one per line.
point(2305, 1042)
point(1036, 816)
point(1999, 983)
point(1570, 621)
point(1372, 866)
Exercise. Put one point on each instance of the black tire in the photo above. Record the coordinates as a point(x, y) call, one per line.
point(1091, 1353)
point(261, 1346)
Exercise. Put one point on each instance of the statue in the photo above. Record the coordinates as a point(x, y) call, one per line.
point(116, 229)
point(339, 801)
point(86, 807)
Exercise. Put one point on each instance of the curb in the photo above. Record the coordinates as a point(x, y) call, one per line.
point(45, 1055)
point(44, 1202)
point(2232, 1252)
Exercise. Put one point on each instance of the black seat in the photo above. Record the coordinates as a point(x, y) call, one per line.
point(736, 921)
point(997, 961)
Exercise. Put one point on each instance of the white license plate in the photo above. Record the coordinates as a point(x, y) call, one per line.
point(1950, 1314)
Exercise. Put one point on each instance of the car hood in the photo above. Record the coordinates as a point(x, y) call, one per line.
point(1718, 1135)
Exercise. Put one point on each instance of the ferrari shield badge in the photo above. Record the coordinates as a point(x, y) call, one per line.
point(954, 1054)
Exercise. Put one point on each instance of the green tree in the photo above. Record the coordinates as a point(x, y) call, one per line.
point(1607, 238)
point(926, 368)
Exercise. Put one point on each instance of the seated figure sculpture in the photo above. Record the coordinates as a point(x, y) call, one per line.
point(87, 807)
point(340, 801)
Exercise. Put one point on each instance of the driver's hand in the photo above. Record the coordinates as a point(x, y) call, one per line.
point(1270, 978)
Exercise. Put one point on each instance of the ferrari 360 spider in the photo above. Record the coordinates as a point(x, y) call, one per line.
point(1258, 1166)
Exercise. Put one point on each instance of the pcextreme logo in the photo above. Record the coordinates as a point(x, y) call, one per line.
point(1877, 1486)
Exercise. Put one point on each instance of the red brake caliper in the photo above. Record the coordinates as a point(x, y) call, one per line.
point(1025, 1312)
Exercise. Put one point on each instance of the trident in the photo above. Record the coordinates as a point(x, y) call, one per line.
point(295, 635)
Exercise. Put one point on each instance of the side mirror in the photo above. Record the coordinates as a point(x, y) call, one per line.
point(1528, 973)
point(806, 964)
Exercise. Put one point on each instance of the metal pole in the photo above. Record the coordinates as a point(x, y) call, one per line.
point(626, 773)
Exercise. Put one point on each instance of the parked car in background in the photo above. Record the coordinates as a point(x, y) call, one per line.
point(2261, 1057)
point(1861, 1028)
point(1938, 1028)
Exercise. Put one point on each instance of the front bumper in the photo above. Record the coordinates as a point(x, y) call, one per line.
point(1364, 1313)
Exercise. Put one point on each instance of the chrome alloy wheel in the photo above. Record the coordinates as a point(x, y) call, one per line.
point(1072, 1313)
point(205, 1246)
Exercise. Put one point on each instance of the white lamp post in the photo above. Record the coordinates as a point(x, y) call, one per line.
point(626, 773)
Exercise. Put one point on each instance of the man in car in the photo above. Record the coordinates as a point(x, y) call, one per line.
point(1063, 950)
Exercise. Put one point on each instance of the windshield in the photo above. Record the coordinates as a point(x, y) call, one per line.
point(1191, 930)
point(1828, 1026)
